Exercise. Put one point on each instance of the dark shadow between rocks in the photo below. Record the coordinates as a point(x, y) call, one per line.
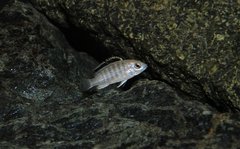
point(83, 40)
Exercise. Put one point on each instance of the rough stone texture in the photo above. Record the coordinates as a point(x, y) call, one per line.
point(41, 105)
point(193, 45)
point(36, 61)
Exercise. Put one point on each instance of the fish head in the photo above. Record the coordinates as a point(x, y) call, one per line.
point(136, 67)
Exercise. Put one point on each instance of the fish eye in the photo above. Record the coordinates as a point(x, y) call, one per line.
point(137, 66)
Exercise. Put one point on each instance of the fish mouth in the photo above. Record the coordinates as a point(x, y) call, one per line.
point(144, 67)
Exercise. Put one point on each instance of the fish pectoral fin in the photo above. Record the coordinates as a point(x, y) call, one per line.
point(102, 86)
point(122, 83)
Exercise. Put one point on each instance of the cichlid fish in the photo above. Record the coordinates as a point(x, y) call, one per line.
point(118, 71)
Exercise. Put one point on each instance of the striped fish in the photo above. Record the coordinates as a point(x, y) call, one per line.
point(118, 71)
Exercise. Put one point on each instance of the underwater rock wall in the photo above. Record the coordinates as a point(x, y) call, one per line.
point(184, 44)
point(192, 45)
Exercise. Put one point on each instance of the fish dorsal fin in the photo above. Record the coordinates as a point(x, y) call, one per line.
point(107, 61)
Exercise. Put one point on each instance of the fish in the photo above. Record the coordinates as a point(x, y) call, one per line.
point(118, 71)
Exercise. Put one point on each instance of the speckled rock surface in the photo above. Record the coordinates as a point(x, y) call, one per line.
point(192, 45)
point(41, 105)
point(36, 61)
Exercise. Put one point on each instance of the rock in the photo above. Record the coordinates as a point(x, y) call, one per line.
point(42, 106)
point(36, 60)
point(157, 117)
point(193, 46)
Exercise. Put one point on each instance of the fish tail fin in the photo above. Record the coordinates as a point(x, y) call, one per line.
point(85, 84)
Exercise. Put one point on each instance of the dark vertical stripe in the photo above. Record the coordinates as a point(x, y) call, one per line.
point(103, 77)
point(108, 74)
point(120, 70)
point(116, 71)
point(105, 73)
point(124, 69)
